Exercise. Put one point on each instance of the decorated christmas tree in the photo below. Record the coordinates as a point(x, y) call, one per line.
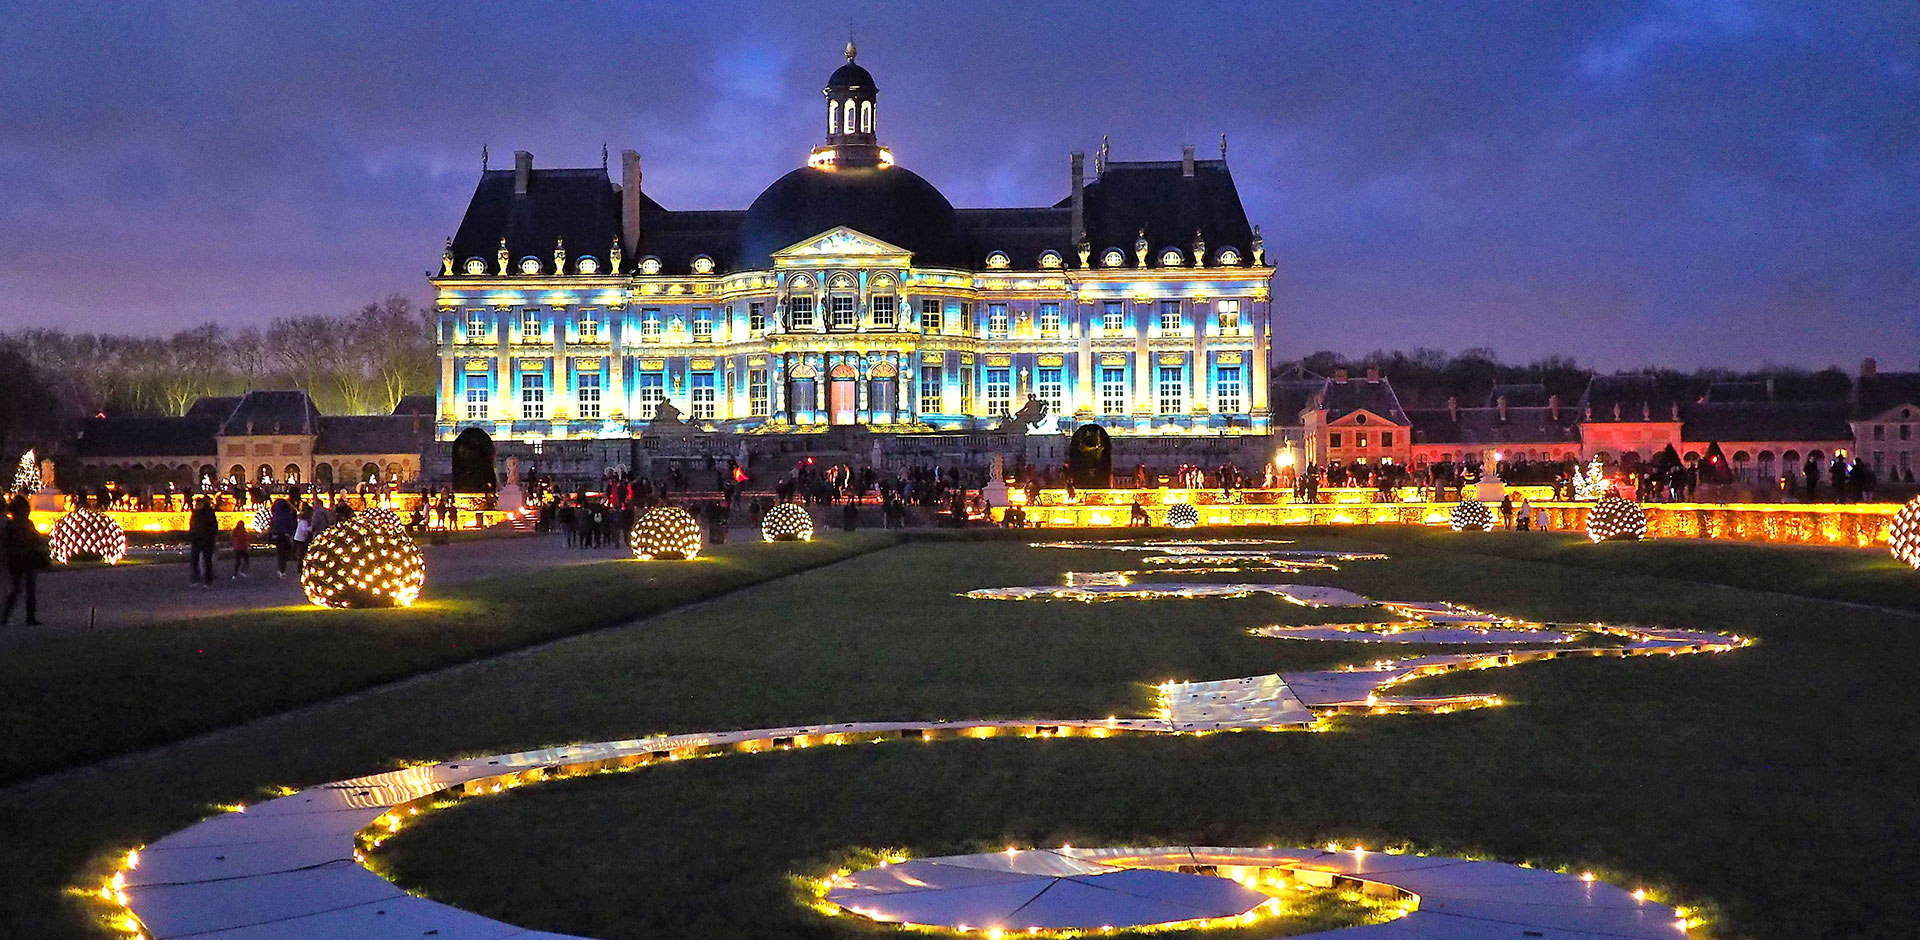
point(26, 477)
point(1592, 482)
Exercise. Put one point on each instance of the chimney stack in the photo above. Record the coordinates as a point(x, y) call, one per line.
point(1453, 408)
point(1373, 375)
point(522, 171)
point(1869, 368)
point(1079, 195)
point(1186, 161)
point(1553, 407)
point(1502, 402)
point(1340, 376)
point(630, 201)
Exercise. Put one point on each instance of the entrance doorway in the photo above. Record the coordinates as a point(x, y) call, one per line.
point(842, 401)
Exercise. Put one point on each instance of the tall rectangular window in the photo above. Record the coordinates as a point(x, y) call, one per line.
point(1113, 318)
point(1386, 438)
point(1359, 438)
point(476, 401)
point(1333, 439)
point(1226, 390)
point(1049, 319)
point(587, 394)
point(885, 311)
point(476, 324)
point(1048, 387)
point(533, 395)
point(845, 316)
point(967, 378)
point(758, 404)
point(703, 398)
point(756, 318)
point(930, 402)
point(653, 391)
point(650, 324)
point(703, 324)
point(1169, 316)
point(1113, 390)
point(966, 319)
point(996, 319)
point(1229, 313)
point(1173, 391)
point(533, 324)
point(800, 312)
point(929, 316)
point(999, 391)
point(1879, 432)
point(589, 328)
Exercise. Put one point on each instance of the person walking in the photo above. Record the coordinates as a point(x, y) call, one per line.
point(25, 554)
point(203, 527)
point(302, 534)
point(242, 542)
point(1506, 511)
point(280, 526)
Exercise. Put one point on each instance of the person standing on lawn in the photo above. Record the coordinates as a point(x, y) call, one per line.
point(242, 541)
point(25, 555)
point(203, 527)
point(280, 526)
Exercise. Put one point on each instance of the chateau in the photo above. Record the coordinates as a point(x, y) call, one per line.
point(851, 292)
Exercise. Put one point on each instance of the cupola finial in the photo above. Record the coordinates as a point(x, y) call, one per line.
point(851, 51)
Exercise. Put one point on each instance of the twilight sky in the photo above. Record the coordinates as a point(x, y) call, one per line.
point(1701, 182)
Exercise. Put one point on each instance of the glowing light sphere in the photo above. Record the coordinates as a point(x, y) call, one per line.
point(1182, 516)
point(787, 522)
point(360, 563)
point(1903, 538)
point(83, 533)
point(382, 516)
point(1614, 518)
point(665, 533)
point(1472, 514)
point(262, 518)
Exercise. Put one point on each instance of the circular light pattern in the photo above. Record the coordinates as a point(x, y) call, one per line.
point(1183, 516)
point(1472, 514)
point(1903, 539)
point(665, 533)
point(383, 517)
point(262, 518)
point(84, 532)
point(787, 522)
point(1616, 519)
point(360, 563)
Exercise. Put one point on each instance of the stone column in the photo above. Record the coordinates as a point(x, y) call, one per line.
point(1202, 384)
point(1086, 385)
point(777, 387)
point(560, 394)
point(1257, 370)
point(1142, 359)
point(450, 366)
point(503, 365)
point(616, 362)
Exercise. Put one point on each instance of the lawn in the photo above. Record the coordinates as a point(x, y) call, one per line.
point(71, 699)
point(1771, 785)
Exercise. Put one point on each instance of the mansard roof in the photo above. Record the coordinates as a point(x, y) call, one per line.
point(1519, 425)
point(1518, 395)
point(1765, 421)
point(187, 436)
point(280, 411)
point(1024, 234)
point(374, 434)
point(1636, 394)
point(579, 205)
point(1157, 196)
point(1876, 393)
point(1341, 398)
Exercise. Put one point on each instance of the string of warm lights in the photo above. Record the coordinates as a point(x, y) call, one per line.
point(1903, 537)
point(84, 533)
point(665, 533)
point(1616, 519)
point(1182, 516)
point(361, 563)
point(1471, 514)
point(787, 522)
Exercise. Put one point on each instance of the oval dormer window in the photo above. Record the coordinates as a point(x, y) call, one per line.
point(529, 265)
point(1229, 257)
point(1170, 258)
point(997, 260)
point(649, 265)
point(702, 265)
point(476, 266)
point(1049, 259)
point(588, 265)
point(1113, 258)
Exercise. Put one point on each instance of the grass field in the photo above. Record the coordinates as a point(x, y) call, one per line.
point(1771, 785)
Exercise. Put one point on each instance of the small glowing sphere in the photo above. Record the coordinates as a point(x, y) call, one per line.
point(787, 522)
point(665, 533)
point(1616, 519)
point(262, 518)
point(359, 563)
point(84, 533)
point(1182, 516)
point(1903, 539)
point(1472, 514)
point(382, 516)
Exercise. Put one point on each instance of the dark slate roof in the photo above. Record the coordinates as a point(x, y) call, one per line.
point(1522, 425)
point(374, 434)
point(1737, 391)
point(272, 412)
point(851, 75)
point(1766, 421)
point(187, 436)
point(890, 203)
point(1154, 195)
point(1876, 393)
point(213, 406)
point(1635, 394)
point(676, 238)
point(1291, 391)
point(1022, 233)
point(415, 405)
point(1518, 395)
point(1344, 398)
point(579, 205)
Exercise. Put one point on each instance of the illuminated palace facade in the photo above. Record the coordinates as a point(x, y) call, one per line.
point(852, 292)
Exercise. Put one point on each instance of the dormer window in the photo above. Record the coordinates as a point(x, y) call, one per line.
point(587, 265)
point(1113, 258)
point(529, 265)
point(702, 265)
point(476, 266)
point(997, 260)
point(649, 265)
point(1170, 258)
point(1049, 259)
point(1229, 257)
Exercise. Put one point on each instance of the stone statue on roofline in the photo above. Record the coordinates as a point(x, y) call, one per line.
point(1086, 249)
point(1140, 248)
point(1259, 247)
point(1199, 249)
point(446, 258)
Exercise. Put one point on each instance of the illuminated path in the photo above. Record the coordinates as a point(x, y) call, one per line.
point(291, 868)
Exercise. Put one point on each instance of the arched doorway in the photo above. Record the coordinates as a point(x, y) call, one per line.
point(323, 474)
point(843, 395)
point(473, 462)
point(883, 393)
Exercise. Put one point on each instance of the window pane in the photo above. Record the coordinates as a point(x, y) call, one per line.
point(883, 310)
point(999, 391)
point(1172, 390)
point(930, 316)
point(801, 312)
point(930, 389)
point(1048, 387)
point(1113, 390)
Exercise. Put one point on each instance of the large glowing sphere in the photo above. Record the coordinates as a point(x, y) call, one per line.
point(787, 522)
point(1182, 516)
point(1472, 514)
point(665, 533)
point(84, 533)
point(1616, 519)
point(1903, 539)
point(360, 563)
point(382, 516)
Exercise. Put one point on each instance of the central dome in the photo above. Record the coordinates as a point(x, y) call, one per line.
point(886, 202)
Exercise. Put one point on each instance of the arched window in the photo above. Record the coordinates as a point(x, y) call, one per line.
point(292, 474)
point(847, 113)
point(236, 474)
point(833, 117)
point(1792, 456)
point(265, 475)
point(866, 116)
point(323, 474)
point(370, 473)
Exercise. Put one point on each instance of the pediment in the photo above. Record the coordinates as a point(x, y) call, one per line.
point(1373, 419)
point(1908, 411)
point(840, 242)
